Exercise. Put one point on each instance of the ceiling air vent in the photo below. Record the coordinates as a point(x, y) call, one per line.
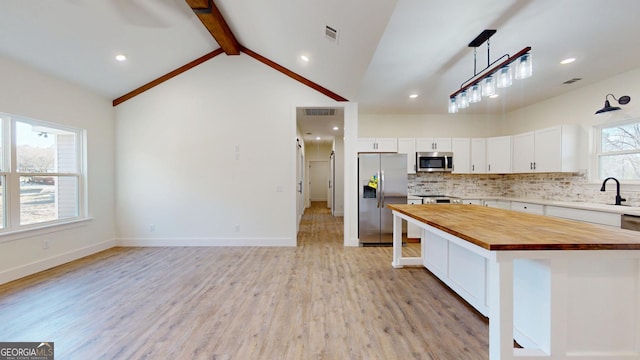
point(571, 81)
point(320, 112)
point(331, 33)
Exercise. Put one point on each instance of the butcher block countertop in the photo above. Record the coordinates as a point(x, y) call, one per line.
point(498, 229)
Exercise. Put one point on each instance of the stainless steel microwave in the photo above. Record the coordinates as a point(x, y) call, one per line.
point(434, 161)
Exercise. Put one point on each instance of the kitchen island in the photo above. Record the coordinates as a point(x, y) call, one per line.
point(561, 288)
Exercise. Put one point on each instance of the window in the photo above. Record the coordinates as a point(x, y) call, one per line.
point(40, 173)
point(618, 150)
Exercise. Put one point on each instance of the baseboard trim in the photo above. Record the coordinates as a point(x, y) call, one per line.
point(44, 264)
point(135, 242)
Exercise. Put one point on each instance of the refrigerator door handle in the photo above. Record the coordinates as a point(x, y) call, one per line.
point(382, 187)
point(378, 191)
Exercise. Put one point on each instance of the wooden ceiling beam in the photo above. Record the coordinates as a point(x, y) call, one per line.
point(166, 77)
point(294, 75)
point(212, 19)
point(198, 4)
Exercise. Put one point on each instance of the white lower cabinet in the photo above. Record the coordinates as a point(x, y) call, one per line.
point(529, 208)
point(501, 204)
point(472, 201)
point(591, 216)
point(453, 262)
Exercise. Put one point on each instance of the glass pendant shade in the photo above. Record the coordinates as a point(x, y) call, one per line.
point(475, 95)
point(505, 78)
point(488, 86)
point(524, 67)
point(453, 107)
point(462, 100)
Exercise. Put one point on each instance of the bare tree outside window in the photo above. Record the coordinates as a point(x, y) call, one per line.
point(619, 153)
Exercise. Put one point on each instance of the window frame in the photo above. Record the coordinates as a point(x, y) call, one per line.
point(598, 152)
point(11, 186)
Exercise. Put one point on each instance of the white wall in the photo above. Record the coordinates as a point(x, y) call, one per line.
point(208, 157)
point(579, 106)
point(32, 94)
point(427, 125)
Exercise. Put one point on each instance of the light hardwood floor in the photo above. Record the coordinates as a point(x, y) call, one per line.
point(318, 300)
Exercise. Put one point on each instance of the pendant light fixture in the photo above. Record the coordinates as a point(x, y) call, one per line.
point(485, 81)
point(624, 100)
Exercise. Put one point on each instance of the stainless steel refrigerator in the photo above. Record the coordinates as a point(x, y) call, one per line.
point(382, 180)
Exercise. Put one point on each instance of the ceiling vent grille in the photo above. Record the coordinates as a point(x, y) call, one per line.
point(571, 81)
point(320, 112)
point(331, 33)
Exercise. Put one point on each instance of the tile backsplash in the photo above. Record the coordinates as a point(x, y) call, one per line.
point(547, 186)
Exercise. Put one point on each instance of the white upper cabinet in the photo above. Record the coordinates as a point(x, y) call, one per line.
point(377, 145)
point(499, 155)
point(433, 144)
point(523, 152)
point(478, 156)
point(461, 148)
point(408, 146)
point(548, 150)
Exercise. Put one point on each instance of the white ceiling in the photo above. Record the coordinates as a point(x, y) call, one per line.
point(386, 49)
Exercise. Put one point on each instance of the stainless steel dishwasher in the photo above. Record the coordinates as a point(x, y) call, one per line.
point(630, 222)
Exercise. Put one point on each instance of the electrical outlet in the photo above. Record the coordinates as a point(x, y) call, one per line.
point(237, 228)
point(152, 228)
point(45, 244)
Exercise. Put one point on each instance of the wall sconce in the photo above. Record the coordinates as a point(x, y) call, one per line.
point(485, 82)
point(624, 100)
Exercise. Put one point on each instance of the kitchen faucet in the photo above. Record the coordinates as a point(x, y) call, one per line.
point(619, 198)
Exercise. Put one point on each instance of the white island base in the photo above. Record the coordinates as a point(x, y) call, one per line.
point(556, 304)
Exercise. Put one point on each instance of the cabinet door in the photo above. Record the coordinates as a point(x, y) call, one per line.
point(501, 204)
point(425, 145)
point(433, 144)
point(478, 156)
point(527, 208)
point(499, 155)
point(523, 152)
point(442, 144)
point(366, 145)
point(408, 146)
point(387, 145)
point(548, 150)
point(461, 148)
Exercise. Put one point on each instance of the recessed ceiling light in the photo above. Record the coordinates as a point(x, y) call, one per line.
point(304, 58)
point(317, 137)
point(121, 57)
point(494, 96)
point(413, 96)
point(335, 128)
point(567, 61)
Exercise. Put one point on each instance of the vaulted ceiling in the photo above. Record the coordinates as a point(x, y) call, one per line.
point(385, 49)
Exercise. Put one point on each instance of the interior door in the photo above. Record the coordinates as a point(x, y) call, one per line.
point(299, 184)
point(331, 201)
point(318, 180)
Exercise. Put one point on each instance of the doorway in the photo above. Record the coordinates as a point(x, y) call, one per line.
point(331, 127)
